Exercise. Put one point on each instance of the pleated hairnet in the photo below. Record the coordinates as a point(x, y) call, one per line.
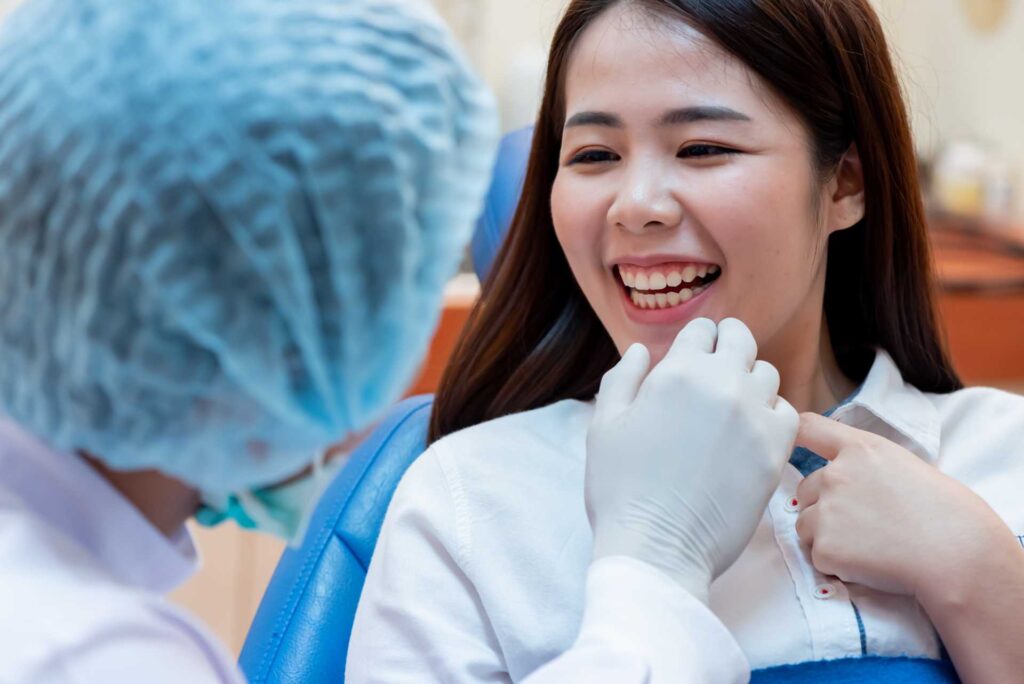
point(225, 226)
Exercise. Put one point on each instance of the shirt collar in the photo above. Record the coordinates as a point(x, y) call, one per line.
point(885, 397)
point(65, 492)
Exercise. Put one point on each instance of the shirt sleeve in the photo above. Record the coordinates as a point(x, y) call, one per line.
point(640, 627)
point(419, 617)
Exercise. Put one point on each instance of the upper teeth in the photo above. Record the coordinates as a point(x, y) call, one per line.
point(659, 279)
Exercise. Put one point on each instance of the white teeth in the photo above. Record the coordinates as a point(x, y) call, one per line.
point(659, 280)
point(642, 285)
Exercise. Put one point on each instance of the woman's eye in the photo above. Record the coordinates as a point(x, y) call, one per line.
point(702, 151)
point(593, 157)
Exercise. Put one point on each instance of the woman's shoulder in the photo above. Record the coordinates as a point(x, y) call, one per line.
point(536, 456)
point(981, 443)
point(984, 410)
point(556, 430)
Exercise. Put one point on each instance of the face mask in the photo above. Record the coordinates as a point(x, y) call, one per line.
point(282, 510)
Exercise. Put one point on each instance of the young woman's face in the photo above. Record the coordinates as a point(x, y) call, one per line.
point(685, 188)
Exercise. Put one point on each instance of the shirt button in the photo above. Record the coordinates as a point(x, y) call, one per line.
point(824, 591)
point(792, 504)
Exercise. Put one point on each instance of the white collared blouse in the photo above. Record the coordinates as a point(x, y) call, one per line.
point(481, 568)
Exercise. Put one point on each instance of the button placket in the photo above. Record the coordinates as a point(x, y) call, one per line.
point(824, 600)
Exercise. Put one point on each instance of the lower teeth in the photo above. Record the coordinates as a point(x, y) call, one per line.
point(664, 300)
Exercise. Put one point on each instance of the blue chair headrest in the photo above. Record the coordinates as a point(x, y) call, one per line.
point(502, 199)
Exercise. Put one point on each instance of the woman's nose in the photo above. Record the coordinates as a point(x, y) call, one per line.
point(645, 202)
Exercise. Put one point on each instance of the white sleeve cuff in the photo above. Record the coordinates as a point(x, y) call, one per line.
point(634, 608)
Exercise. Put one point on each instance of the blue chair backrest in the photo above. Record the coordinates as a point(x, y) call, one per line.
point(301, 631)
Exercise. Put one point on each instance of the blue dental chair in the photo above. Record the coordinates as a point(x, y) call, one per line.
point(301, 631)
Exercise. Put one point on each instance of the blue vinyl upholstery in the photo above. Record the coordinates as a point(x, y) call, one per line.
point(301, 631)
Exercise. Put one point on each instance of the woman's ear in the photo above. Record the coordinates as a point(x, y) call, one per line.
point(846, 202)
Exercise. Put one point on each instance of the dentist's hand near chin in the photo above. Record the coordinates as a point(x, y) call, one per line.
point(681, 462)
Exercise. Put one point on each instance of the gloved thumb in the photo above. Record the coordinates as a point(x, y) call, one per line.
point(620, 385)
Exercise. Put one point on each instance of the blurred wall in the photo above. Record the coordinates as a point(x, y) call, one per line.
point(508, 42)
point(961, 83)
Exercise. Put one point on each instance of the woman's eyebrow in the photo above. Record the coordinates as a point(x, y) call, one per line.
point(673, 117)
point(594, 119)
point(686, 115)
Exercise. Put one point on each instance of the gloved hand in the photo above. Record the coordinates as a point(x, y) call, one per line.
point(681, 462)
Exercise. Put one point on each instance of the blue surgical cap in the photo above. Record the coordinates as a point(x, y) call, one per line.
point(225, 227)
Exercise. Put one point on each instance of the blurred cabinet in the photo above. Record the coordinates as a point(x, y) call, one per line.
point(981, 301)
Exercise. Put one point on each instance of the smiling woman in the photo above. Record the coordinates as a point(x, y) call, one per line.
point(712, 159)
point(703, 141)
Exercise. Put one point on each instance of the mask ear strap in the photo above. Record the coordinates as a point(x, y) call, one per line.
point(319, 461)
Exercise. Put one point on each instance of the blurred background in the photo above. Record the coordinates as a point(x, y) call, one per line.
point(962, 63)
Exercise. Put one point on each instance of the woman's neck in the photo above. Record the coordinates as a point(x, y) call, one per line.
point(811, 378)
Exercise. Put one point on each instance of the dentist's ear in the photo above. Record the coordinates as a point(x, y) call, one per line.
point(846, 192)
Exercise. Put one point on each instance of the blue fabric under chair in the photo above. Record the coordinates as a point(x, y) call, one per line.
point(301, 632)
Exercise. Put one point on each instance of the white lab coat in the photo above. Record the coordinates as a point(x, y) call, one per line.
point(83, 577)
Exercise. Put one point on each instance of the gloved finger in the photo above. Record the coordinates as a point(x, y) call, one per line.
point(788, 420)
point(808, 492)
point(736, 342)
point(700, 334)
point(767, 380)
point(807, 525)
point(620, 385)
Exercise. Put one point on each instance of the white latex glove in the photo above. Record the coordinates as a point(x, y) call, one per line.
point(681, 462)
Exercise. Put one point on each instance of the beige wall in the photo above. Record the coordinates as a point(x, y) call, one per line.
point(236, 567)
point(508, 40)
point(962, 84)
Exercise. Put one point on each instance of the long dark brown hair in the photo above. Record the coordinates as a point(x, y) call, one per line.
point(533, 338)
